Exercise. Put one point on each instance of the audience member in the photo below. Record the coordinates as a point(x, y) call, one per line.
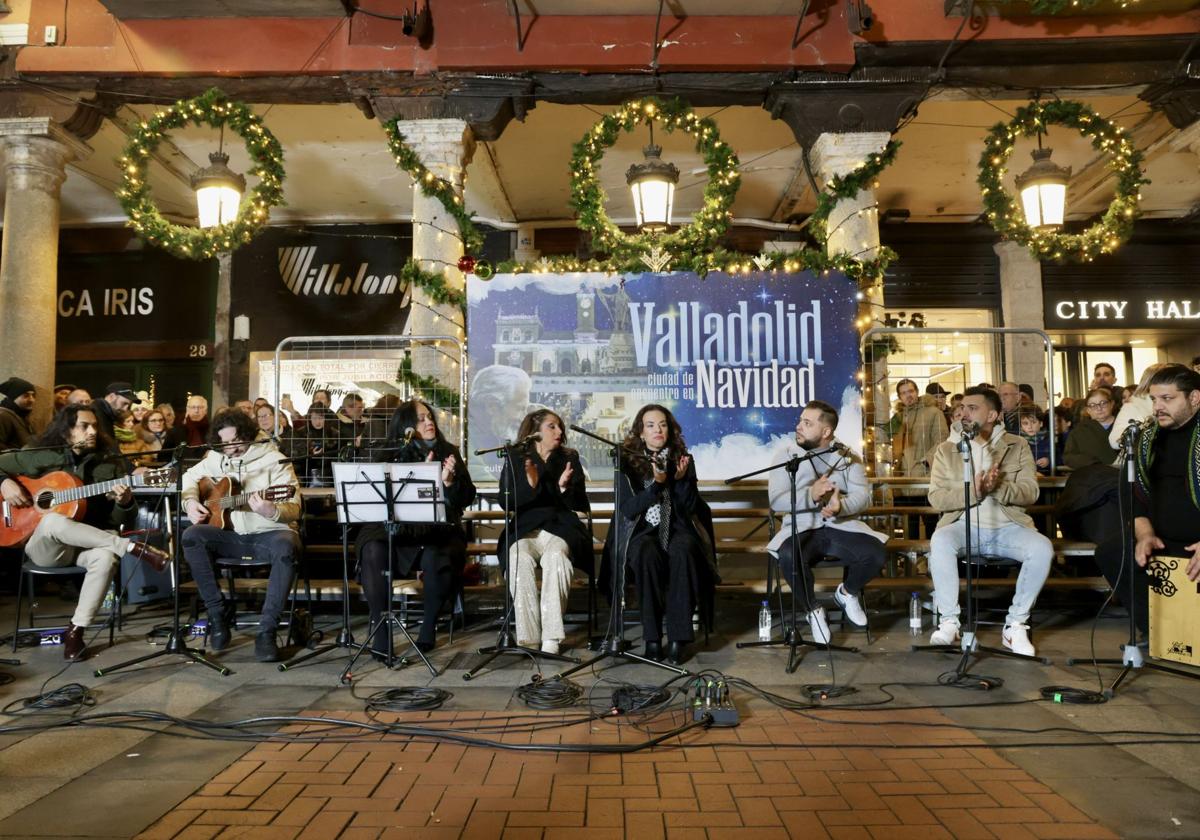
point(129, 442)
point(1010, 401)
point(1033, 429)
point(193, 431)
point(79, 396)
point(1062, 428)
point(917, 427)
point(61, 392)
point(1026, 393)
point(168, 412)
point(19, 398)
point(244, 406)
point(1088, 441)
point(1137, 408)
point(118, 397)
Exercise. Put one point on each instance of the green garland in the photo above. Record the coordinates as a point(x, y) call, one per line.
point(588, 197)
point(214, 109)
point(435, 285)
point(433, 186)
point(847, 186)
point(1006, 217)
point(1058, 7)
point(426, 387)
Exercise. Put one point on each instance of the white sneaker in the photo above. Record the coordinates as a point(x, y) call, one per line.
point(549, 646)
point(1016, 639)
point(819, 626)
point(946, 634)
point(851, 606)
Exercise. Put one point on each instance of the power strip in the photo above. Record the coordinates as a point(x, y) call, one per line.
point(713, 702)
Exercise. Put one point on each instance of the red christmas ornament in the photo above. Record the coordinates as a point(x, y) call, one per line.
point(466, 263)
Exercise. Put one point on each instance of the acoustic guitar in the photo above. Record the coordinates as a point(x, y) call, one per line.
point(64, 493)
point(224, 495)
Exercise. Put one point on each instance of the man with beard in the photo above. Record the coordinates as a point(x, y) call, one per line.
point(1166, 504)
point(118, 397)
point(19, 398)
point(917, 427)
point(831, 490)
point(76, 445)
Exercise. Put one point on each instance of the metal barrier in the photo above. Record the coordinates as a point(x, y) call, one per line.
point(966, 357)
point(368, 365)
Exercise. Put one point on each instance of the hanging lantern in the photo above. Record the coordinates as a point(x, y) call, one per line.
point(652, 183)
point(218, 191)
point(1043, 189)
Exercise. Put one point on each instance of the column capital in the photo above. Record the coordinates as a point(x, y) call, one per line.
point(488, 105)
point(1014, 253)
point(864, 102)
point(445, 145)
point(36, 151)
point(841, 154)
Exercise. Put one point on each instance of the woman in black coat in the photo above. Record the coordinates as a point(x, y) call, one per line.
point(542, 483)
point(438, 550)
point(668, 549)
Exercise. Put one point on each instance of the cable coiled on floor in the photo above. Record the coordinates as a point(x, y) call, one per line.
point(550, 694)
point(407, 699)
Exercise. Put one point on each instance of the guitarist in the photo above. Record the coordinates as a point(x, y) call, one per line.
point(831, 490)
point(93, 543)
point(267, 531)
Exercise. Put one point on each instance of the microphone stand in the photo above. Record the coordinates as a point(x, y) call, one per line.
point(793, 638)
point(176, 641)
point(614, 642)
point(968, 644)
point(1132, 658)
point(506, 642)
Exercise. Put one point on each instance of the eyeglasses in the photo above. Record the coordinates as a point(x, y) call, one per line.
point(1099, 405)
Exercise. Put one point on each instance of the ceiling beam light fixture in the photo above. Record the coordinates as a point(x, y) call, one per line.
point(218, 189)
point(652, 183)
point(1043, 188)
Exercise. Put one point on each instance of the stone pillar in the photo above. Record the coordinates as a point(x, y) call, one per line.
point(853, 228)
point(525, 251)
point(35, 151)
point(1021, 306)
point(445, 146)
point(223, 373)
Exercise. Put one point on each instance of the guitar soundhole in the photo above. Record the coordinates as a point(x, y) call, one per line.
point(44, 500)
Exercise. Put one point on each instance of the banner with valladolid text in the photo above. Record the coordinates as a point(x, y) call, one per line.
point(734, 357)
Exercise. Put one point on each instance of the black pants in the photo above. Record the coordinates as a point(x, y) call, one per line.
point(204, 544)
point(861, 554)
point(1109, 558)
point(435, 561)
point(667, 583)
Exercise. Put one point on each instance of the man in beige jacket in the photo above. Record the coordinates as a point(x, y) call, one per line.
point(917, 427)
point(1005, 481)
point(266, 530)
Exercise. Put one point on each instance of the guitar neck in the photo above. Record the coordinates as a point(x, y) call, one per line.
point(235, 501)
point(98, 489)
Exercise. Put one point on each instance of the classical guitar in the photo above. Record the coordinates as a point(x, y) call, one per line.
point(224, 495)
point(64, 493)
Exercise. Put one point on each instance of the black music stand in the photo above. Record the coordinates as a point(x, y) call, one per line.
point(1132, 659)
point(388, 490)
point(176, 640)
point(615, 646)
point(792, 636)
point(968, 644)
point(506, 643)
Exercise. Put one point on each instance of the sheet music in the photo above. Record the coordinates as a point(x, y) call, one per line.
point(418, 495)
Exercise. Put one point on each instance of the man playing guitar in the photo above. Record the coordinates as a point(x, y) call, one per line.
point(75, 444)
point(266, 531)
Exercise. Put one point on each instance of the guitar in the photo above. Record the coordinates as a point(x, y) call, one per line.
point(64, 493)
point(223, 494)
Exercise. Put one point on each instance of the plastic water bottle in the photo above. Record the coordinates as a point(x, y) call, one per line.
point(764, 622)
point(915, 615)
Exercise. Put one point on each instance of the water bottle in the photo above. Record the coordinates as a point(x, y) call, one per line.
point(914, 614)
point(764, 622)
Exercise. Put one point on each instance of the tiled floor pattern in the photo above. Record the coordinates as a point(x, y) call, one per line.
point(778, 775)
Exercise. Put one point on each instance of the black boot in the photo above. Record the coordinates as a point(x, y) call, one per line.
point(266, 649)
point(220, 624)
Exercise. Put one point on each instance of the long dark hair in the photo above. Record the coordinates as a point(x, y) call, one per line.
point(405, 417)
point(58, 432)
point(675, 445)
point(534, 420)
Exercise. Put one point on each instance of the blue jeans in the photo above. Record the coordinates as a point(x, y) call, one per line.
point(204, 544)
point(1016, 542)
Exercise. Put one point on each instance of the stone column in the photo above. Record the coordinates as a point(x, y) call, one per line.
point(35, 151)
point(224, 392)
point(445, 146)
point(526, 251)
point(853, 228)
point(1021, 306)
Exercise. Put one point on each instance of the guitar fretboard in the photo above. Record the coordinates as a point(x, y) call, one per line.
point(83, 492)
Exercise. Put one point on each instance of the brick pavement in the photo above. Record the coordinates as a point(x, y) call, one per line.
point(776, 776)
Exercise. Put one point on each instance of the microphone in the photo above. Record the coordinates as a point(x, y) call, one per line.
point(533, 438)
point(408, 434)
point(969, 429)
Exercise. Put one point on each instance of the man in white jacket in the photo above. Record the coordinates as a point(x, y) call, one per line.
point(266, 530)
point(831, 491)
point(1005, 481)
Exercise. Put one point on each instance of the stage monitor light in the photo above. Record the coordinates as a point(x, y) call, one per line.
point(1043, 189)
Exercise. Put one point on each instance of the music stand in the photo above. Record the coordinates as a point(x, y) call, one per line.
point(792, 636)
point(176, 640)
point(614, 642)
point(392, 495)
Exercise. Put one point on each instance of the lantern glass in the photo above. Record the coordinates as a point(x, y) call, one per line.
point(653, 201)
point(1043, 189)
point(218, 192)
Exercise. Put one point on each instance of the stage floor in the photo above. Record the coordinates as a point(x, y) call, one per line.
point(878, 773)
